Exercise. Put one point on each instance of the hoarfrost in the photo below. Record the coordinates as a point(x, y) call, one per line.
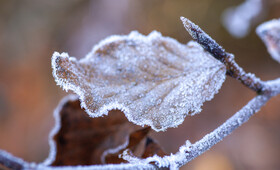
point(173, 161)
point(53, 149)
point(238, 20)
point(8, 161)
point(154, 80)
point(269, 32)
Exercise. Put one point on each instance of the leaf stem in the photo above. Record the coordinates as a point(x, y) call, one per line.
point(217, 51)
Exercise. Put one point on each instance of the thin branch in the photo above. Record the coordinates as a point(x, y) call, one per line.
point(124, 166)
point(186, 153)
point(9, 161)
point(189, 151)
point(233, 69)
point(225, 129)
point(232, 123)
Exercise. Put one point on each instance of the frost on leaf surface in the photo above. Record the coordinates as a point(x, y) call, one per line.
point(269, 32)
point(154, 80)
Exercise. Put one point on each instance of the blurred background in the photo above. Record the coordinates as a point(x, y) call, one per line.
point(31, 30)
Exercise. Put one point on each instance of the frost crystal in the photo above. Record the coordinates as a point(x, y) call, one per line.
point(238, 20)
point(173, 161)
point(55, 130)
point(269, 32)
point(8, 161)
point(154, 80)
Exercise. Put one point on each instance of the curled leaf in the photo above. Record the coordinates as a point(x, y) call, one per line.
point(152, 148)
point(78, 139)
point(112, 155)
point(269, 32)
point(154, 80)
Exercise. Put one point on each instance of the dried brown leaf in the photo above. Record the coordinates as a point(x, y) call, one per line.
point(152, 148)
point(154, 80)
point(112, 155)
point(79, 139)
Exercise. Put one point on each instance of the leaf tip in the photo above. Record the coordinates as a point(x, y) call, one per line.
point(57, 59)
point(63, 70)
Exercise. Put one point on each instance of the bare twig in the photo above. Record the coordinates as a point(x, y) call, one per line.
point(9, 161)
point(189, 151)
point(225, 129)
point(233, 69)
point(232, 123)
point(186, 153)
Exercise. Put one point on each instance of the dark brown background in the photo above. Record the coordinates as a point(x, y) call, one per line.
point(31, 30)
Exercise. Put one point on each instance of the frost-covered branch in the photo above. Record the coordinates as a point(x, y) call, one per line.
point(189, 151)
point(233, 69)
point(225, 129)
point(242, 116)
point(185, 154)
point(9, 161)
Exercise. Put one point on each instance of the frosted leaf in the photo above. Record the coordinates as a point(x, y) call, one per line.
point(154, 80)
point(238, 20)
point(269, 32)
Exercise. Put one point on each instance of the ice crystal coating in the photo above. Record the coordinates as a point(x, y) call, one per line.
point(8, 161)
point(238, 20)
point(269, 32)
point(173, 161)
point(53, 148)
point(154, 80)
